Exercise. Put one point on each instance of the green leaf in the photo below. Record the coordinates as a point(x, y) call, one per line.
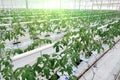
point(37, 68)
point(46, 56)
point(47, 73)
point(19, 51)
point(39, 60)
point(56, 46)
point(69, 69)
point(73, 78)
point(64, 61)
point(24, 76)
point(54, 77)
point(2, 45)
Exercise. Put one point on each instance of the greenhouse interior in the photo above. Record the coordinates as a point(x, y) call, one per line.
point(59, 39)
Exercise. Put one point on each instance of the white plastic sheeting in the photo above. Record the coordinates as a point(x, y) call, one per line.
point(107, 67)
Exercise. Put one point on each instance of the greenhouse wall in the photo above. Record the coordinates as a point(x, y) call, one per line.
point(61, 4)
point(12, 4)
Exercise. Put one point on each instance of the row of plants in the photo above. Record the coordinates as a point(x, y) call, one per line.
point(76, 44)
point(48, 16)
point(37, 28)
point(80, 39)
point(31, 12)
point(49, 23)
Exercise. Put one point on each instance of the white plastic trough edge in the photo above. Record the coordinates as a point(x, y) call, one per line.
point(32, 52)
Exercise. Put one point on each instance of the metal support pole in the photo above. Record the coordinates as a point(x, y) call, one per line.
point(2, 4)
point(11, 4)
point(112, 5)
point(79, 3)
point(92, 4)
point(26, 1)
point(75, 4)
point(97, 3)
point(60, 4)
point(85, 4)
point(108, 4)
point(101, 5)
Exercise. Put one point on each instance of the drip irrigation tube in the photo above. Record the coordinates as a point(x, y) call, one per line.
point(117, 76)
